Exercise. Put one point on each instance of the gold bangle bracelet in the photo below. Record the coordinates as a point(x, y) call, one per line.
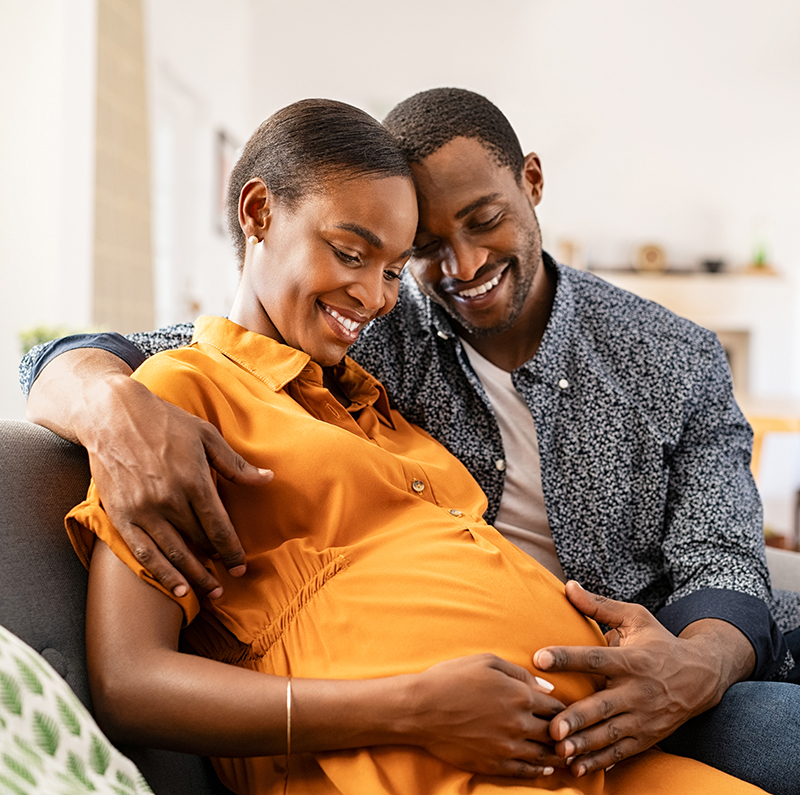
point(288, 719)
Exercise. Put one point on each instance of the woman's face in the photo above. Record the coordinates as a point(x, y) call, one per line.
point(328, 266)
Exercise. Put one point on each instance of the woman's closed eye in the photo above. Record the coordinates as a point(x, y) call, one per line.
point(348, 259)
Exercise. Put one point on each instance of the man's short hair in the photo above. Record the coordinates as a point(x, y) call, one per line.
point(428, 120)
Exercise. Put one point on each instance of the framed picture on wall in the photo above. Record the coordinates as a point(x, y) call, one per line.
point(227, 149)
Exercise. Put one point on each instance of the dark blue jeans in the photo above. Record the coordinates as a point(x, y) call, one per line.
point(753, 733)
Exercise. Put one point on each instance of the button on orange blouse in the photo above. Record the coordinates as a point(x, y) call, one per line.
point(367, 557)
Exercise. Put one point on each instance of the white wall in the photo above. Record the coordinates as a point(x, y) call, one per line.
point(46, 166)
point(668, 120)
point(199, 84)
point(672, 121)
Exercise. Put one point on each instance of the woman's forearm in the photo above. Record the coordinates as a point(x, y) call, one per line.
point(147, 692)
point(201, 706)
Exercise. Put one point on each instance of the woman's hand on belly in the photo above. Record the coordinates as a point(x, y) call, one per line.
point(486, 715)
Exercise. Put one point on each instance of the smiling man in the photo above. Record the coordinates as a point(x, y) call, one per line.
point(602, 428)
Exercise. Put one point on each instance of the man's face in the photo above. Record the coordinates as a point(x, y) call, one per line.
point(478, 245)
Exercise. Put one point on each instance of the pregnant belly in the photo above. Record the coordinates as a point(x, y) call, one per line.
point(398, 604)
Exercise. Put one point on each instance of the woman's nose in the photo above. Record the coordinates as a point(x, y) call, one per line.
point(370, 291)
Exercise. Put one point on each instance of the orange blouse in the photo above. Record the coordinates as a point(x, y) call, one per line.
point(367, 557)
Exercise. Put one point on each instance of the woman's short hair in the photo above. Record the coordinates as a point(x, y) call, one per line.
point(299, 148)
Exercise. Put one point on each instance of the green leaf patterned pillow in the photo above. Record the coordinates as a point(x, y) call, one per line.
point(49, 743)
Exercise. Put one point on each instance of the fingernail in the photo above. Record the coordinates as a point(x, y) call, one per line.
point(570, 760)
point(180, 590)
point(562, 730)
point(543, 659)
point(262, 471)
point(544, 684)
point(609, 767)
point(216, 593)
point(569, 749)
point(548, 771)
point(237, 571)
point(581, 771)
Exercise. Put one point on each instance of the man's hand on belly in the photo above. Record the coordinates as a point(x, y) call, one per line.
point(655, 681)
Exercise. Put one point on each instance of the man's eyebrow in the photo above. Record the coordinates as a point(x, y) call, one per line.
point(370, 237)
point(489, 197)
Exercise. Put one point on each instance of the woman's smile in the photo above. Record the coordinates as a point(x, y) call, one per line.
point(346, 327)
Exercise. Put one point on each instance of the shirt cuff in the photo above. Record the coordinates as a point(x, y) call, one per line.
point(111, 342)
point(747, 613)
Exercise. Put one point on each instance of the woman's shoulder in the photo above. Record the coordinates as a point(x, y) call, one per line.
point(194, 377)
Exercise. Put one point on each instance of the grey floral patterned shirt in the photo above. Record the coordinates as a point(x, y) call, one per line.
point(645, 456)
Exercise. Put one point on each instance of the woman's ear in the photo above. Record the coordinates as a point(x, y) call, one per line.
point(532, 177)
point(254, 208)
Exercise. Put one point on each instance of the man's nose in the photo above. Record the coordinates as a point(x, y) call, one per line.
point(463, 259)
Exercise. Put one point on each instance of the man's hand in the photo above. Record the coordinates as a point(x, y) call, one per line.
point(654, 681)
point(486, 715)
point(151, 462)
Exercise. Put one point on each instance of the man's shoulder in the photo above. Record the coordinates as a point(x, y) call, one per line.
point(622, 319)
point(642, 352)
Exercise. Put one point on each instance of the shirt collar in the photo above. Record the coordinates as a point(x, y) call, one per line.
point(277, 364)
point(551, 360)
point(270, 361)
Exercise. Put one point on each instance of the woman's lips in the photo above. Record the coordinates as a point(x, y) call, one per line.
point(346, 328)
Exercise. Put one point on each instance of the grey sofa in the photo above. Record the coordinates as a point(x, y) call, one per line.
point(43, 585)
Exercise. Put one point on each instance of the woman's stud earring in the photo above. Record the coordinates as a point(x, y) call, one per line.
point(253, 240)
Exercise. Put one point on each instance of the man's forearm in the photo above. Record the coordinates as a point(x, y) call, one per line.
point(73, 388)
point(727, 648)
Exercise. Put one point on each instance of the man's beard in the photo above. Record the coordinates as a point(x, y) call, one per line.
point(523, 280)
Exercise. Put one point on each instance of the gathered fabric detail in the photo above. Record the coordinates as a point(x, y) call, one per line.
point(263, 641)
point(222, 645)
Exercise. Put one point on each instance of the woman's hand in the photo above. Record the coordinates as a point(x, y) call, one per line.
point(485, 715)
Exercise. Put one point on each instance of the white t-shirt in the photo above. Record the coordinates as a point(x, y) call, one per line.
point(522, 517)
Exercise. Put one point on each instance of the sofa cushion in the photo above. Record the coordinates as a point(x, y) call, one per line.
point(50, 741)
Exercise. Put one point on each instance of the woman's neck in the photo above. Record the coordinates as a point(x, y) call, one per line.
point(330, 382)
point(248, 312)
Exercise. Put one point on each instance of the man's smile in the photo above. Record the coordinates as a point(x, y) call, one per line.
point(475, 291)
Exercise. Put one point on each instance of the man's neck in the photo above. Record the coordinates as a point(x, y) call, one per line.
point(513, 347)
